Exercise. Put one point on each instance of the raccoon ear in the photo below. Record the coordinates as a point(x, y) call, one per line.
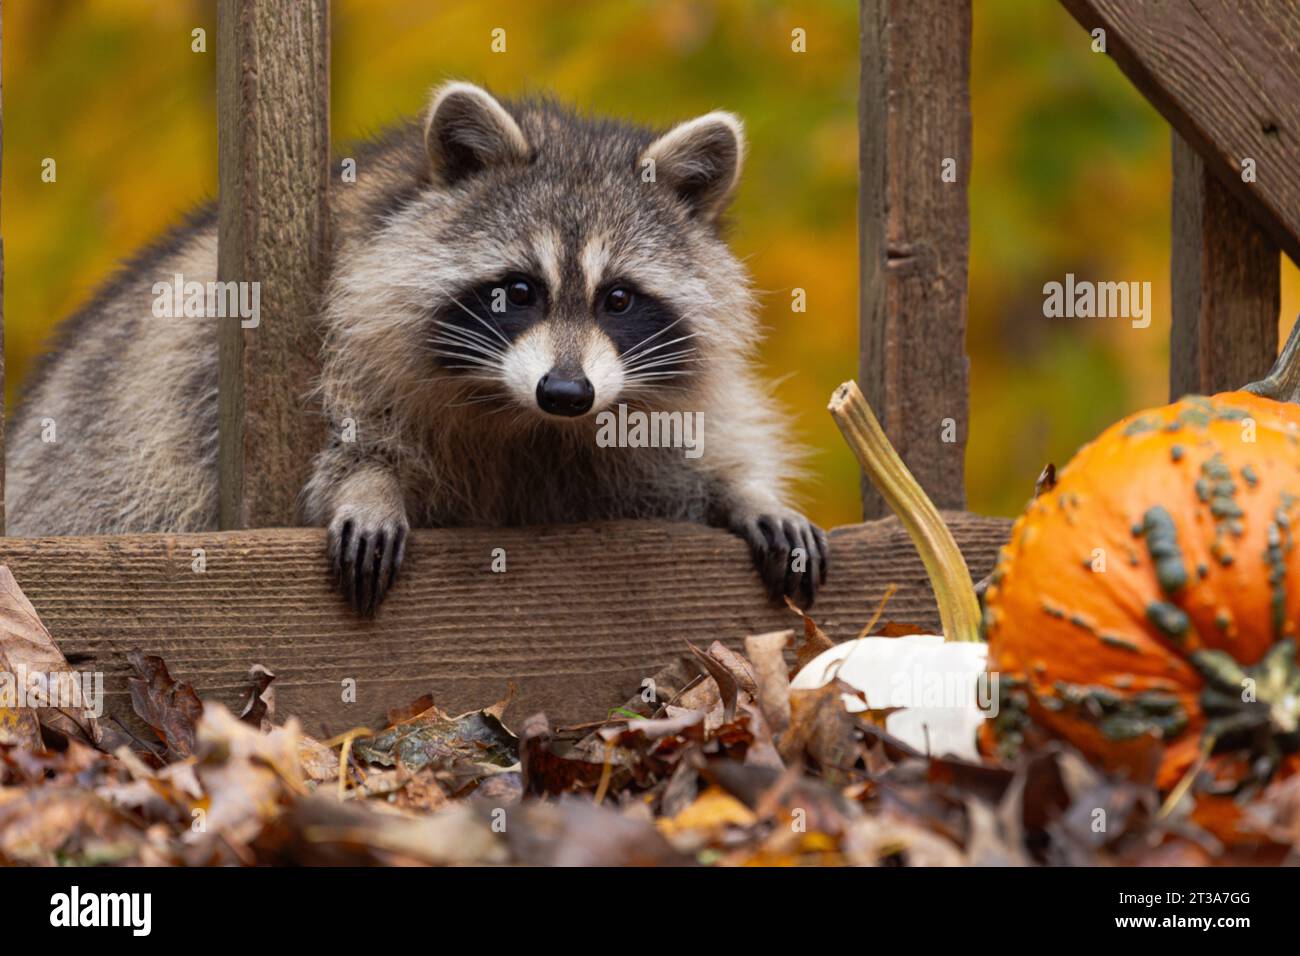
point(700, 160)
point(467, 130)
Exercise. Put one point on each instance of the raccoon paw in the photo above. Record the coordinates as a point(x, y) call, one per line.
point(365, 552)
point(789, 551)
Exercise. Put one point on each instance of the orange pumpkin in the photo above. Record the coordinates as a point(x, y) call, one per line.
point(1146, 607)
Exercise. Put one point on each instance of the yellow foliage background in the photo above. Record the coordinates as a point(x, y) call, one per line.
point(1070, 174)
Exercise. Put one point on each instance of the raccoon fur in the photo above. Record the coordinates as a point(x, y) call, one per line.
point(501, 275)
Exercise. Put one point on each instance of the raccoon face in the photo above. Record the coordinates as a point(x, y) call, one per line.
point(587, 264)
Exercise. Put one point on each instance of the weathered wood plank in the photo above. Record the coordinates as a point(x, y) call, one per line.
point(1226, 285)
point(1226, 75)
point(580, 617)
point(913, 126)
point(273, 119)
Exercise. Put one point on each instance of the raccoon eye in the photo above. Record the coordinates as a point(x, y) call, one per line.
point(618, 301)
point(520, 293)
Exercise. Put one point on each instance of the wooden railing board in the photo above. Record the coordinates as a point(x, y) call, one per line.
point(580, 617)
point(1225, 74)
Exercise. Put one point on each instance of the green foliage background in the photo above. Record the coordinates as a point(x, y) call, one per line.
point(1070, 174)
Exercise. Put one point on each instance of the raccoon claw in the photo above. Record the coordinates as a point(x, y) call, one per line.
point(365, 556)
point(790, 553)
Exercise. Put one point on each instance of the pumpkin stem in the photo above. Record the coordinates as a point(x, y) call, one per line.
point(959, 609)
point(1282, 383)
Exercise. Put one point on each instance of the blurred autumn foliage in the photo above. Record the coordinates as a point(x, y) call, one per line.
point(1070, 174)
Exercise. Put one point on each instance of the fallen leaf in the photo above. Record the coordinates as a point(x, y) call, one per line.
point(543, 770)
point(575, 832)
point(259, 708)
point(766, 653)
point(728, 687)
point(32, 667)
point(19, 727)
point(814, 641)
point(713, 810)
point(462, 749)
point(319, 763)
point(247, 776)
point(170, 707)
point(823, 729)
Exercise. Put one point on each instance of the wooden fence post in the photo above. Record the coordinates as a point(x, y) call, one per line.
point(273, 141)
point(1226, 285)
point(914, 138)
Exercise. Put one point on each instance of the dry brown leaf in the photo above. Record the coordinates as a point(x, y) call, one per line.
point(259, 708)
point(46, 826)
point(247, 776)
point(575, 832)
point(543, 770)
point(19, 727)
point(887, 838)
point(319, 763)
point(28, 651)
point(728, 687)
point(706, 821)
point(737, 665)
point(170, 707)
point(891, 629)
point(814, 641)
point(766, 653)
point(498, 710)
point(822, 728)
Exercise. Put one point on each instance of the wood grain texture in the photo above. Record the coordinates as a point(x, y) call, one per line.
point(1226, 75)
point(273, 142)
point(914, 235)
point(1226, 285)
point(582, 614)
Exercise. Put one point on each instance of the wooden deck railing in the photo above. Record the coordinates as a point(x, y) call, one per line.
point(586, 612)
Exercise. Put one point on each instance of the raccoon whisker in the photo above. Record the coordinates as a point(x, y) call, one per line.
point(492, 355)
point(661, 345)
point(650, 338)
point(468, 368)
point(469, 349)
point(654, 335)
point(476, 400)
point(676, 366)
point(469, 335)
point(687, 350)
point(471, 359)
point(651, 377)
point(489, 326)
point(673, 368)
point(646, 394)
point(672, 358)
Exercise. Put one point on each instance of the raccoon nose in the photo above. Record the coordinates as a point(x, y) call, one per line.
point(558, 394)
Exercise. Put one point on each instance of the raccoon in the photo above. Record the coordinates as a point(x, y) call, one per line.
point(505, 278)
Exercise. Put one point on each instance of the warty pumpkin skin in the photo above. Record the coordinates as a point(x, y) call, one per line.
point(1167, 539)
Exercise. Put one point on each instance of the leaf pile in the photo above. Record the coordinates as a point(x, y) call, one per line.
point(718, 763)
